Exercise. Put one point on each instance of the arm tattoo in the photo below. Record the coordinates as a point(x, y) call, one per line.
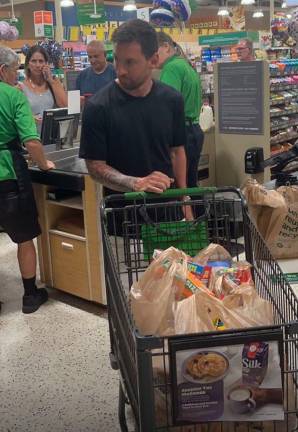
point(110, 177)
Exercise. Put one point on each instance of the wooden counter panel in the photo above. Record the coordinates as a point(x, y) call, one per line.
point(69, 265)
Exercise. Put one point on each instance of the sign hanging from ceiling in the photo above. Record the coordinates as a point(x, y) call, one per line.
point(223, 39)
point(43, 24)
point(86, 16)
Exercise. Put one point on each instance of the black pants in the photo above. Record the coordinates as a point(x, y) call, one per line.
point(193, 148)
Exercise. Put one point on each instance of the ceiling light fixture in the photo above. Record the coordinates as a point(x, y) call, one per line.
point(284, 4)
point(223, 11)
point(258, 14)
point(129, 6)
point(13, 18)
point(95, 14)
point(66, 3)
point(289, 16)
point(247, 2)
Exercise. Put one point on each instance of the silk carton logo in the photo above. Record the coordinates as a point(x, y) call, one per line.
point(251, 363)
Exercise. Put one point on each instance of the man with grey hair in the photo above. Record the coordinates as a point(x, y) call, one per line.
point(18, 213)
point(245, 50)
point(99, 74)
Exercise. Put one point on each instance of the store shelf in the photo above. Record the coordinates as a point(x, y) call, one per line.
point(72, 202)
point(284, 140)
point(284, 75)
point(283, 102)
point(283, 113)
point(284, 87)
point(278, 48)
point(283, 126)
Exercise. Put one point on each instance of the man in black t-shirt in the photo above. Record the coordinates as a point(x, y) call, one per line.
point(133, 130)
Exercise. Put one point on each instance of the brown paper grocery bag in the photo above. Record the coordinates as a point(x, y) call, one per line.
point(276, 216)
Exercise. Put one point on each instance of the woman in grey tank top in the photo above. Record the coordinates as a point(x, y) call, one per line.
point(42, 90)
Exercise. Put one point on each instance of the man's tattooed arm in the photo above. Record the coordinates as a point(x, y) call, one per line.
point(110, 177)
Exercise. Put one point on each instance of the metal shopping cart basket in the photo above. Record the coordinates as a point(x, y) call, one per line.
point(133, 225)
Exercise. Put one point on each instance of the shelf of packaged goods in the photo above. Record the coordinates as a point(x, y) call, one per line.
point(282, 140)
point(283, 113)
point(283, 75)
point(278, 48)
point(283, 87)
point(283, 126)
point(283, 102)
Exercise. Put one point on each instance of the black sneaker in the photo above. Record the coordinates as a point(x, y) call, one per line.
point(32, 302)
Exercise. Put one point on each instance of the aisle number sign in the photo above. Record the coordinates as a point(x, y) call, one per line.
point(143, 14)
point(43, 24)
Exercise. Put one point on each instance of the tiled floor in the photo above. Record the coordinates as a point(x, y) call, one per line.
point(55, 374)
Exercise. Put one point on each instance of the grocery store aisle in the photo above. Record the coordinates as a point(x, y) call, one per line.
point(54, 366)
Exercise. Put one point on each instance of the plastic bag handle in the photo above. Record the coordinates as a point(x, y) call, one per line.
point(170, 193)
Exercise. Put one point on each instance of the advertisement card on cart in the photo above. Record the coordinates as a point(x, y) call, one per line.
point(219, 378)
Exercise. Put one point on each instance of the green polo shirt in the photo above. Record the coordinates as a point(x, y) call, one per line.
point(177, 73)
point(16, 120)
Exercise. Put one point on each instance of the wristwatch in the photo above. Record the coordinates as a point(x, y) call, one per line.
point(186, 198)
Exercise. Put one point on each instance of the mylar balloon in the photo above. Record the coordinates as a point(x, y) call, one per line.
point(181, 9)
point(162, 17)
point(4, 30)
point(164, 4)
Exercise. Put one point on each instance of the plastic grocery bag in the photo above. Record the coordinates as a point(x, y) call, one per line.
point(276, 216)
point(213, 252)
point(204, 312)
point(206, 117)
point(153, 296)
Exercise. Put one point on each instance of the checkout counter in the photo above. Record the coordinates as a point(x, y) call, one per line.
point(70, 246)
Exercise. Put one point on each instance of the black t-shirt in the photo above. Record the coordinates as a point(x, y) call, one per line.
point(133, 134)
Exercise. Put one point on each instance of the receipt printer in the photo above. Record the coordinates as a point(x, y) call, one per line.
point(254, 159)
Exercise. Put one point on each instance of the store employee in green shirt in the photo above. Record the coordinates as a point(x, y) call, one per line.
point(18, 213)
point(178, 73)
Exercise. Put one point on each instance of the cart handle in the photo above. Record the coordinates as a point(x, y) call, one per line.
point(170, 193)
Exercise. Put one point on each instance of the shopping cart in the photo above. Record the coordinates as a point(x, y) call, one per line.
point(133, 225)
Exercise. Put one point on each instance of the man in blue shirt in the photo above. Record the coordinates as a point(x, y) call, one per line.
point(99, 74)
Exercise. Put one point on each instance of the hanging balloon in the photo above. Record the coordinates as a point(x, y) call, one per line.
point(164, 4)
point(13, 33)
point(181, 9)
point(279, 27)
point(54, 51)
point(4, 30)
point(25, 48)
point(162, 17)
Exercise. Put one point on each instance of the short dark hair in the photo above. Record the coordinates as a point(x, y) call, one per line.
point(137, 31)
point(34, 49)
point(163, 38)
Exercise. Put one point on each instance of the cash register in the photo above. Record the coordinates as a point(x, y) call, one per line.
point(59, 128)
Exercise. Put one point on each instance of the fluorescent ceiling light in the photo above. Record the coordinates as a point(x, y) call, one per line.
point(223, 11)
point(284, 4)
point(66, 3)
point(258, 14)
point(247, 2)
point(129, 5)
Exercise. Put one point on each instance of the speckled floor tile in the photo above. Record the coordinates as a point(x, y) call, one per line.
point(54, 366)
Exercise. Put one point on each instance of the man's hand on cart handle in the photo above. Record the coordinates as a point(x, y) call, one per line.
point(156, 182)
